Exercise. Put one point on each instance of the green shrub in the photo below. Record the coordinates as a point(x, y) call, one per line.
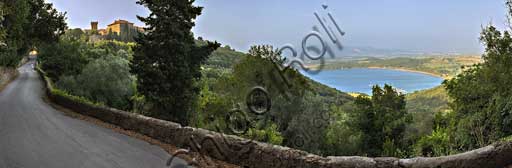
point(341, 138)
point(75, 98)
point(106, 80)
point(269, 134)
point(62, 59)
point(436, 144)
point(9, 57)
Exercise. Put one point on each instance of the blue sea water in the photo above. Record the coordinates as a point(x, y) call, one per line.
point(361, 80)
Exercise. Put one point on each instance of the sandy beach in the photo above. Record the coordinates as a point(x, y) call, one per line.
point(410, 70)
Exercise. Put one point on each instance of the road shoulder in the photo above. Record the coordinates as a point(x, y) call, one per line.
point(204, 161)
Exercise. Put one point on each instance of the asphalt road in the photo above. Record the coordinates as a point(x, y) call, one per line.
point(34, 135)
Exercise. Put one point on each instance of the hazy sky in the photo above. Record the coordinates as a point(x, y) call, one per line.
point(425, 25)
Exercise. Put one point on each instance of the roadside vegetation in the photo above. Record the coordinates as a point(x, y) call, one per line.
point(96, 71)
point(25, 25)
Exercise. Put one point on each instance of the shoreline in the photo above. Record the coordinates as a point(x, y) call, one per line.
point(410, 70)
point(390, 68)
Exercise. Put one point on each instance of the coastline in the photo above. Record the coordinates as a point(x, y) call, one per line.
point(410, 70)
point(392, 68)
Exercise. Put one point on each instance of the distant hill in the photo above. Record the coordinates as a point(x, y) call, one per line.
point(443, 66)
point(423, 105)
point(376, 52)
point(363, 51)
point(225, 57)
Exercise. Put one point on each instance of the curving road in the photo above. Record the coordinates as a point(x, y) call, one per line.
point(33, 135)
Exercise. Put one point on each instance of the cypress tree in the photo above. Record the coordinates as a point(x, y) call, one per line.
point(167, 61)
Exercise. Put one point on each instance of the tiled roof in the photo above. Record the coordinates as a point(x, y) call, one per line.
point(120, 22)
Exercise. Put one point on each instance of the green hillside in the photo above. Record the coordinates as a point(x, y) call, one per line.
point(423, 105)
point(224, 58)
point(444, 66)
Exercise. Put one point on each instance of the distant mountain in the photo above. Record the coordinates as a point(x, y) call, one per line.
point(353, 51)
point(375, 52)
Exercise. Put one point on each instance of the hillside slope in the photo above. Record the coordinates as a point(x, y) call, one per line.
point(445, 67)
point(423, 105)
point(224, 58)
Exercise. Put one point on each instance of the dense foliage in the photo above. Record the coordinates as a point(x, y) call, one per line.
point(64, 58)
point(27, 24)
point(3, 12)
point(481, 96)
point(167, 61)
point(382, 119)
point(98, 72)
point(106, 80)
point(423, 106)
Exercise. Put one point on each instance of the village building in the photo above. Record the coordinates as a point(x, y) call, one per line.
point(120, 30)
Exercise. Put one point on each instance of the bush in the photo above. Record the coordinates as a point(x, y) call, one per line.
point(269, 134)
point(382, 119)
point(9, 57)
point(211, 110)
point(437, 144)
point(107, 80)
point(114, 46)
point(78, 99)
point(341, 138)
point(62, 59)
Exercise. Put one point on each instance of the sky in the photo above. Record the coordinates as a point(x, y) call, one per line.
point(419, 25)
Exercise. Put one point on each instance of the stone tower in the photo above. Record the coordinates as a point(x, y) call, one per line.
point(94, 26)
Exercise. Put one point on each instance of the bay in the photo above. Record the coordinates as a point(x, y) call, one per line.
point(361, 80)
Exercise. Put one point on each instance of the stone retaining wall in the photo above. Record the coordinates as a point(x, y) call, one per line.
point(6, 75)
point(248, 153)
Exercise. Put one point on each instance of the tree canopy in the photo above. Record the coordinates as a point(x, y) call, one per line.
point(25, 25)
point(481, 111)
point(382, 120)
point(482, 94)
point(167, 62)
